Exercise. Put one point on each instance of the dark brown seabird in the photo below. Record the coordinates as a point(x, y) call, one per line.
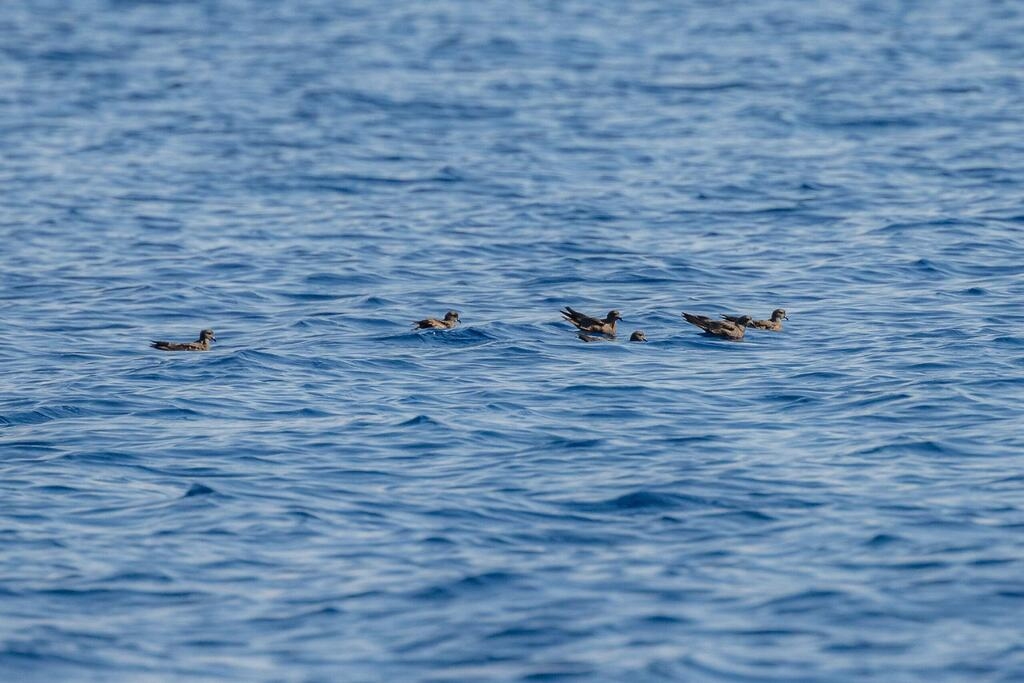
point(205, 337)
point(775, 324)
point(638, 336)
point(451, 319)
point(726, 329)
point(585, 323)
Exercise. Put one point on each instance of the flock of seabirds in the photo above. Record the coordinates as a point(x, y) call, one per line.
point(588, 328)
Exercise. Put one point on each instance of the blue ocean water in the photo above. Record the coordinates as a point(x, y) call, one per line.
point(329, 496)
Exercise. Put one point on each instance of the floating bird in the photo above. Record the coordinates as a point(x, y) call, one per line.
point(205, 337)
point(451, 319)
point(775, 324)
point(726, 329)
point(587, 324)
point(637, 336)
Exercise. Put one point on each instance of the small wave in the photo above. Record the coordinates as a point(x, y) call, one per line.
point(420, 420)
point(473, 583)
point(637, 500)
point(198, 490)
point(42, 415)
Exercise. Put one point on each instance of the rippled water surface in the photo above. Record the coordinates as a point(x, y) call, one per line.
point(329, 496)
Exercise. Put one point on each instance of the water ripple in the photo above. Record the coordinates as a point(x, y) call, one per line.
point(501, 501)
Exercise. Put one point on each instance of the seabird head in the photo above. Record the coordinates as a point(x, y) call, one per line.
point(779, 314)
point(638, 336)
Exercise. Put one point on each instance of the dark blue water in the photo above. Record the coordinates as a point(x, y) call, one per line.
point(327, 496)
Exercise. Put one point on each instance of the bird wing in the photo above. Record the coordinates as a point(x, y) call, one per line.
point(701, 321)
point(169, 346)
point(582, 320)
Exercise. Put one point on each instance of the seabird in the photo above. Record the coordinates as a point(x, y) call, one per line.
point(775, 324)
point(205, 337)
point(585, 323)
point(726, 329)
point(451, 319)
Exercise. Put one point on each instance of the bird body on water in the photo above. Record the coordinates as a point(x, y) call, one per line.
point(637, 336)
point(726, 329)
point(586, 323)
point(451, 319)
point(774, 324)
point(202, 344)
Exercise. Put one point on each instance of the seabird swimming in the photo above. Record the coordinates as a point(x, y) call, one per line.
point(726, 329)
point(205, 337)
point(775, 324)
point(585, 323)
point(451, 319)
